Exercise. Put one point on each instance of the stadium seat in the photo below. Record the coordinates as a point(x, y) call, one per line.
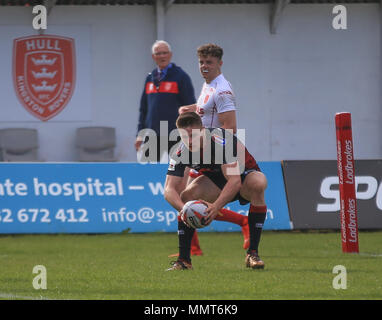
point(96, 144)
point(19, 144)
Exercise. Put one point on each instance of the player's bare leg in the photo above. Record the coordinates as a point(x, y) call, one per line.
point(253, 189)
point(201, 188)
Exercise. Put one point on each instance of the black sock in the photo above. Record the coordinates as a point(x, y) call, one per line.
point(256, 218)
point(185, 235)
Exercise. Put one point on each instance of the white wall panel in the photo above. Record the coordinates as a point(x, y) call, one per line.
point(289, 85)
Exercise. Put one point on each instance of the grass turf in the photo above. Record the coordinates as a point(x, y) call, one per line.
point(299, 265)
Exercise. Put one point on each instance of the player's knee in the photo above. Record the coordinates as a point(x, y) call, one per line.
point(263, 184)
point(187, 195)
point(259, 184)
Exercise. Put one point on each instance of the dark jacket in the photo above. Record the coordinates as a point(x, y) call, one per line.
point(161, 100)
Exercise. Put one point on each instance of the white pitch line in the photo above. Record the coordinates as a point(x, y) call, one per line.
point(16, 296)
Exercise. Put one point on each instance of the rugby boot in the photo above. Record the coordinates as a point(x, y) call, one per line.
point(252, 260)
point(180, 265)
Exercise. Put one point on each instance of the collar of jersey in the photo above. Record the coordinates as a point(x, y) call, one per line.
point(213, 82)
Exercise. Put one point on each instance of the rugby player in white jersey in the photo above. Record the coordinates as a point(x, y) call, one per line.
point(216, 106)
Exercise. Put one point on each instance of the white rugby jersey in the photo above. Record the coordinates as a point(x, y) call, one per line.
point(215, 97)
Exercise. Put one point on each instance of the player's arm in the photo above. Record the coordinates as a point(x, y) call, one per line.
point(232, 187)
point(172, 189)
point(226, 107)
point(228, 120)
point(188, 108)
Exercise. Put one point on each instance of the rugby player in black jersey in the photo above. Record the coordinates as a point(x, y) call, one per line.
point(230, 173)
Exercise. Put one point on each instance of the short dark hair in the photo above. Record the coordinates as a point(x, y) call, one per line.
point(188, 119)
point(210, 49)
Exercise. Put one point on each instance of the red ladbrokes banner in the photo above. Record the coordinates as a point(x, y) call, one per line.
point(44, 72)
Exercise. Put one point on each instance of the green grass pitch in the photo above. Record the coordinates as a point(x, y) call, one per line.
point(299, 265)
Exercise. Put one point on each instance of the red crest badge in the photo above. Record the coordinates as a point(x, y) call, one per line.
point(44, 73)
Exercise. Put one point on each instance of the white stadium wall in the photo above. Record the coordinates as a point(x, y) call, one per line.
point(289, 85)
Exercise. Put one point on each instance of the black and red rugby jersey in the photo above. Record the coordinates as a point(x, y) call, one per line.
point(222, 149)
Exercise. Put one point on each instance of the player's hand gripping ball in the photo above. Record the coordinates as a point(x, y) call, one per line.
point(193, 214)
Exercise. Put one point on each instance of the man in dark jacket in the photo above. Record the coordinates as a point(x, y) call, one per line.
point(166, 88)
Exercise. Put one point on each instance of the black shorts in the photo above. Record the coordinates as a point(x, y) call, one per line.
point(219, 180)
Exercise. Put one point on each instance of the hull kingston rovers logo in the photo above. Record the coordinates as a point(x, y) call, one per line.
point(44, 73)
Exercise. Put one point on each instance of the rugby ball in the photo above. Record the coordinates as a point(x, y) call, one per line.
point(193, 214)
